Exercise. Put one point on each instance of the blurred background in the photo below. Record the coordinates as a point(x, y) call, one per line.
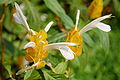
point(100, 58)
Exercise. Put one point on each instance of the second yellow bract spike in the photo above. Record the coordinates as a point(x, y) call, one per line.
point(95, 9)
point(37, 53)
point(75, 37)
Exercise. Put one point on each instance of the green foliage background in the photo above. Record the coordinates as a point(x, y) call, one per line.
point(101, 51)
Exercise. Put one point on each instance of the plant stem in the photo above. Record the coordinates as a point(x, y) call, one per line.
point(1, 38)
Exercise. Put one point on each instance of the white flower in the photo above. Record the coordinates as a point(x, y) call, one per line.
point(63, 46)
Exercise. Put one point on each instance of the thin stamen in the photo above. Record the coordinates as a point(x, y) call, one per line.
point(77, 19)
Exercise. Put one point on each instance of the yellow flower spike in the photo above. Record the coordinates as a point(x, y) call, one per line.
point(38, 52)
point(75, 37)
point(37, 48)
point(75, 34)
point(95, 9)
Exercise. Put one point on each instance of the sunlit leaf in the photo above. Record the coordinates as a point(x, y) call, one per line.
point(32, 74)
point(48, 76)
point(8, 68)
point(58, 10)
point(61, 68)
point(6, 1)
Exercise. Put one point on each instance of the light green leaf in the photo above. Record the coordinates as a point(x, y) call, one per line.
point(103, 40)
point(32, 11)
point(66, 20)
point(58, 10)
point(32, 74)
point(61, 68)
point(47, 76)
point(6, 1)
point(54, 6)
point(8, 68)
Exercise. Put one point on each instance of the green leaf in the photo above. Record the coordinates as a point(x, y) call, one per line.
point(87, 39)
point(66, 20)
point(8, 68)
point(58, 10)
point(6, 1)
point(32, 74)
point(56, 37)
point(103, 40)
point(61, 68)
point(32, 10)
point(47, 76)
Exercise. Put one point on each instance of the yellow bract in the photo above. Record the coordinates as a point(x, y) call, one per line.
point(37, 53)
point(21, 61)
point(75, 37)
point(40, 64)
point(95, 9)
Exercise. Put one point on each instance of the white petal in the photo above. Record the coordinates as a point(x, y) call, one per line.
point(67, 52)
point(26, 62)
point(17, 18)
point(57, 45)
point(103, 27)
point(33, 32)
point(48, 26)
point(77, 17)
point(92, 24)
point(20, 18)
point(29, 44)
point(102, 18)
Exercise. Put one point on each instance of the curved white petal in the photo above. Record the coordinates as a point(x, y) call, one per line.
point(48, 26)
point(102, 18)
point(61, 44)
point(92, 24)
point(20, 18)
point(17, 18)
point(29, 44)
point(67, 52)
point(103, 27)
